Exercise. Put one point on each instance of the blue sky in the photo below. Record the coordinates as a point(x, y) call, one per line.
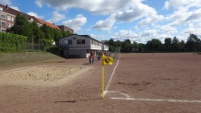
point(137, 20)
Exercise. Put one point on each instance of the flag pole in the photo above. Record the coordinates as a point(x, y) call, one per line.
point(102, 81)
point(105, 60)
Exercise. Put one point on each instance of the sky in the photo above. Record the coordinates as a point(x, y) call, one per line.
point(137, 20)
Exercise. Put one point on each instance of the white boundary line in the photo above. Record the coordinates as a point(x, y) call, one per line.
point(158, 100)
point(124, 94)
point(107, 87)
point(142, 99)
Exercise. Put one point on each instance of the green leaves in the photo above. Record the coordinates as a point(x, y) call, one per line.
point(35, 33)
point(12, 42)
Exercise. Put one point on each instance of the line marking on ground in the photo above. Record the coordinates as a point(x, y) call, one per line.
point(111, 77)
point(158, 100)
point(148, 69)
point(124, 94)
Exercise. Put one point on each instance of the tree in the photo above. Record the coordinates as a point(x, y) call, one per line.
point(22, 27)
point(168, 44)
point(141, 47)
point(65, 33)
point(175, 44)
point(118, 43)
point(134, 46)
point(193, 43)
point(181, 46)
point(126, 46)
point(111, 45)
point(37, 33)
point(57, 36)
point(48, 36)
point(153, 45)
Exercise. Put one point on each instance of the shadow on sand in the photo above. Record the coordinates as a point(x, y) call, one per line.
point(77, 100)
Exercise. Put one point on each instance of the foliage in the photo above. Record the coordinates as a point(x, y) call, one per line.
point(126, 46)
point(21, 26)
point(155, 45)
point(43, 35)
point(193, 43)
point(12, 42)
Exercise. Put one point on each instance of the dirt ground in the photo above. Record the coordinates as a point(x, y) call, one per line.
point(136, 83)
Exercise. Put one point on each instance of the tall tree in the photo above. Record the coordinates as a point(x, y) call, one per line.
point(22, 27)
point(193, 43)
point(153, 45)
point(175, 44)
point(141, 47)
point(168, 44)
point(181, 46)
point(126, 46)
point(134, 46)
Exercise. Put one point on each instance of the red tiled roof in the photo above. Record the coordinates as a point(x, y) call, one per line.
point(47, 23)
point(11, 11)
point(15, 12)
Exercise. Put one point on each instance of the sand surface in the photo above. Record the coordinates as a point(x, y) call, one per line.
point(41, 75)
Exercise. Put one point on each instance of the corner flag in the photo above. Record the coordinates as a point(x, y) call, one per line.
point(107, 60)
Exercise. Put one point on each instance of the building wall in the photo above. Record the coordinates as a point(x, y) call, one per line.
point(79, 50)
point(64, 28)
point(6, 20)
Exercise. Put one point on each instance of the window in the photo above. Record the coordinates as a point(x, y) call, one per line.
point(8, 17)
point(3, 23)
point(83, 41)
point(9, 25)
point(79, 41)
point(12, 18)
point(3, 16)
point(70, 42)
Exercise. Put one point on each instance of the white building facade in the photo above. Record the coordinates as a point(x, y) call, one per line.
point(80, 46)
point(6, 20)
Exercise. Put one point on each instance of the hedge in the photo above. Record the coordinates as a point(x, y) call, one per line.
point(12, 42)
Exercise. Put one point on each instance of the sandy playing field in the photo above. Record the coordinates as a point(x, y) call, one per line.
point(135, 83)
point(41, 74)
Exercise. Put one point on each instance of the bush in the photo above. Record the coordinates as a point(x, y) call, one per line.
point(12, 42)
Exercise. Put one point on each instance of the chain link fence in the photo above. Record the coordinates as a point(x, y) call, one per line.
point(34, 46)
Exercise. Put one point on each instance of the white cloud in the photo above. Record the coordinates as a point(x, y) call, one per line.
point(105, 25)
point(149, 33)
point(16, 8)
point(104, 7)
point(195, 15)
point(144, 35)
point(193, 30)
point(9, 3)
point(39, 3)
point(4, 2)
point(150, 20)
point(166, 29)
point(184, 17)
point(177, 4)
point(124, 34)
point(199, 24)
point(56, 17)
point(137, 11)
point(76, 23)
point(35, 14)
point(98, 37)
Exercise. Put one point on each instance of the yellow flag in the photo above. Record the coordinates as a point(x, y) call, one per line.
point(107, 60)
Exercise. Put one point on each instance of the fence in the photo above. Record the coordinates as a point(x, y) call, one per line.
point(34, 46)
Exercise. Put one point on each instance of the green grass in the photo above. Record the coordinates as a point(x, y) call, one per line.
point(9, 59)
